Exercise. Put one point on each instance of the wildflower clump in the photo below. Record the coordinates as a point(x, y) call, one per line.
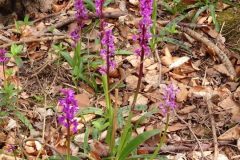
point(69, 110)
point(169, 99)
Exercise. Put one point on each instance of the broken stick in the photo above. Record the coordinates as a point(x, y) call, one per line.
point(222, 56)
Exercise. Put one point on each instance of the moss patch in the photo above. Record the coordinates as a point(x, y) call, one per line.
point(231, 29)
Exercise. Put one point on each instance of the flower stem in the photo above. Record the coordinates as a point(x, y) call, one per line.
point(162, 138)
point(140, 74)
point(4, 75)
point(68, 140)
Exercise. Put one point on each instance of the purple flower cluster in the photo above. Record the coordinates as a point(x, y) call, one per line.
point(81, 15)
point(144, 27)
point(11, 148)
point(3, 57)
point(107, 51)
point(69, 110)
point(169, 98)
point(99, 7)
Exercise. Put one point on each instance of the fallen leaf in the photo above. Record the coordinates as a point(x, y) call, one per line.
point(134, 2)
point(231, 134)
point(178, 62)
point(3, 137)
point(230, 106)
point(79, 138)
point(201, 20)
point(99, 148)
point(131, 81)
point(86, 118)
point(142, 151)
point(186, 109)
point(82, 100)
point(140, 130)
point(11, 124)
point(141, 100)
point(8, 157)
point(167, 60)
point(197, 155)
point(103, 135)
point(151, 78)
point(176, 126)
point(222, 69)
point(133, 59)
point(182, 94)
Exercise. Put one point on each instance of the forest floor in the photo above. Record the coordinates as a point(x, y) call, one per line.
point(191, 53)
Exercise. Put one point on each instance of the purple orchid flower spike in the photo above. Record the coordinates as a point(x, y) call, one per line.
point(69, 110)
point(99, 7)
point(3, 57)
point(107, 52)
point(169, 99)
point(81, 15)
point(144, 28)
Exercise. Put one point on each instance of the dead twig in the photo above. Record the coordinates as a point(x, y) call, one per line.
point(72, 18)
point(39, 70)
point(213, 124)
point(184, 146)
point(222, 56)
point(159, 67)
point(189, 25)
point(190, 129)
point(34, 39)
point(5, 39)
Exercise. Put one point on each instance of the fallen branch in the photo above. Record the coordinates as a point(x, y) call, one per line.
point(222, 56)
point(35, 39)
point(72, 18)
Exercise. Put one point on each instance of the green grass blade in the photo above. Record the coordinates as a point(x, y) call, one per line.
point(175, 21)
point(146, 156)
point(134, 143)
point(213, 14)
point(125, 137)
point(124, 52)
point(200, 10)
point(67, 57)
point(176, 42)
point(90, 5)
point(85, 144)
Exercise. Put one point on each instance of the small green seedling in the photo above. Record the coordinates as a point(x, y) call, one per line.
point(25, 22)
point(15, 52)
